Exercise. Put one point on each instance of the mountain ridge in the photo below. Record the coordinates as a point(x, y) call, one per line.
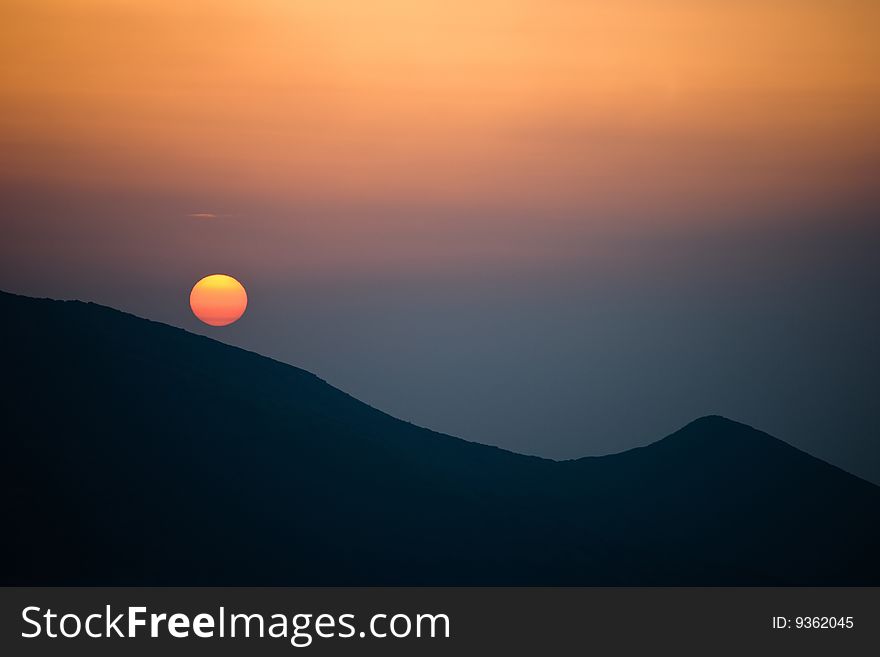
point(282, 479)
point(700, 420)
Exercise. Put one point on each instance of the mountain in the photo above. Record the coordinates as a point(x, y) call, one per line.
point(138, 453)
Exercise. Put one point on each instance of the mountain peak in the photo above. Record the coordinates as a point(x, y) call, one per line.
point(717, 429)
point(714, 421)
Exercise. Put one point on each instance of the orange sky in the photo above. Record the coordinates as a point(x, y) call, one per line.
point(548, 103)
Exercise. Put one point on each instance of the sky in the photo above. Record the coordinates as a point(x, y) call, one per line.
point(562, 227)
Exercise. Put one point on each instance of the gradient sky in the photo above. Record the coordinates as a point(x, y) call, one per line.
point(559, 226)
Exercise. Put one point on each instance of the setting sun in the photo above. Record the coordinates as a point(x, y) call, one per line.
point(218, 300)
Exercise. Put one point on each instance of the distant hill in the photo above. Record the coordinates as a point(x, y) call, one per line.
point(138, 453)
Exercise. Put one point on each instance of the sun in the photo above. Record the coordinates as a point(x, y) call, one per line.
point(218, 300)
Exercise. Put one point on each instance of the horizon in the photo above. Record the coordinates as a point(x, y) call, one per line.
point(697, 420)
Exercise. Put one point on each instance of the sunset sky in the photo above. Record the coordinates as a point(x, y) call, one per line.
point(560, 226)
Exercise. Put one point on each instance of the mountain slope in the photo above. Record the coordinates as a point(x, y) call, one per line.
point(137, 453)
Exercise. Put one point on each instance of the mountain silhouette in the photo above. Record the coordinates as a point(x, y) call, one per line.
point(139, 453)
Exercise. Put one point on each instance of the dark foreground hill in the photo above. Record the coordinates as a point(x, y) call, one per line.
point(138, 453)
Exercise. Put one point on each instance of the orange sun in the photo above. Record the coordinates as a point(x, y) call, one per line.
point(218, 300)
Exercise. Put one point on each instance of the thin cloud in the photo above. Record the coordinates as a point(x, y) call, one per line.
point(208, 215)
